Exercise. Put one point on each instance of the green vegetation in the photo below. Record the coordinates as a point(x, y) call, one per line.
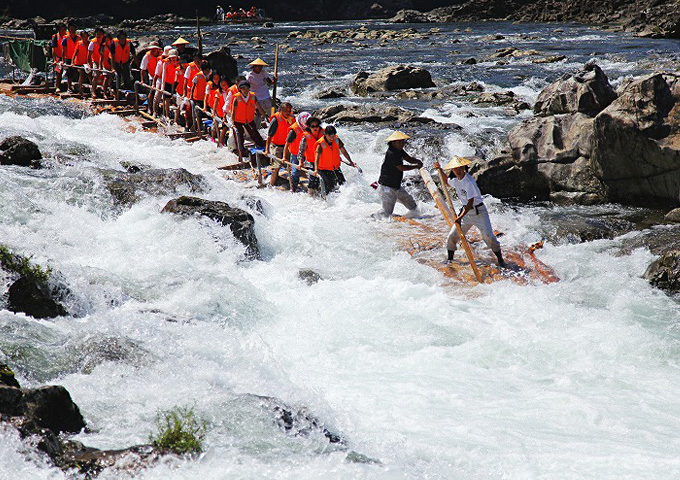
point(179, 430)
point(12, 262)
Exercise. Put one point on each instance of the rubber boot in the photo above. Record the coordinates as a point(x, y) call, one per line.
point(451, 252)
point(499, 256)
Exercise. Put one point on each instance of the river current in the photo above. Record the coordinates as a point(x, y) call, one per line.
point(576, 379)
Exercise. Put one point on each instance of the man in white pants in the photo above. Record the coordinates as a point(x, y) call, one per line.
point(392, 174)
point(474, 211)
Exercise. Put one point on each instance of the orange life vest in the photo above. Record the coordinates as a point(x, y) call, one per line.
point(106, 55)
point(193, 71)
point(180, 80)
point(151, 68)
point(294, 147)
point(121, 54)
point(170, 72)
point(245, 111)
point(330, 154)
point(71, 43)
point(284, 124)
point(211, 90)
point(198, 88)
point(80, 54)
point(221, 102)
point(58, 51)
point(310, 147)
point(96, 55)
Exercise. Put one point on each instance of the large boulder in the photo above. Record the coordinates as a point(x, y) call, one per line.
point(239, 221)
point(591, 146)
point(7, 376)
point(222, 61)
point(130, 187)
point(636, 142)
point(399, 77)
point(587, 91)
point(48, 407)
point(19, 151)
point(410, 16)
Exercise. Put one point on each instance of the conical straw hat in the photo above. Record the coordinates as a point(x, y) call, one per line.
point(180, 41)
point(457, 161)
point(397, 136)
point(258, 61)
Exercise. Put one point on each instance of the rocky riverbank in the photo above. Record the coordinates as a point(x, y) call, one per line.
point(648, 18)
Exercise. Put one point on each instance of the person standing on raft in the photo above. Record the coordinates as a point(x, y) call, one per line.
point(327, 161)
point(392, 174)
point(473, 213)
point(260, 80)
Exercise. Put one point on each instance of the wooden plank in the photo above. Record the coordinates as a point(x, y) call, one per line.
point(25, 89)
point(125, 112)
point(235, 166)
point(149, 124)
point(436, 196)
point(115, 103)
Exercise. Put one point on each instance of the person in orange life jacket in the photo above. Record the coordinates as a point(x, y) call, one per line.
point(197, 93)
point(68, 44)
point(243, 111)
point(327, 161)
point(149, 61)
point(310, 136)
point(94, 58)
point(473, 213)
point(79, 59)
point(221, 104)
point(106, 64)
point(392, 174)
point(212, 89)
point(276, 137)
point(58, 51)
point(169, 79)
point(122, 54)
point(157, 80)
point(292, 147)
point(187, 79)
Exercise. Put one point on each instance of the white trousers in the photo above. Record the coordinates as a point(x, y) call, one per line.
point(475, 218)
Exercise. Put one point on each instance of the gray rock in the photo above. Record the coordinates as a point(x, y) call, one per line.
point(664, 273)
point(469, 61)
point(222, 61)
point(128, 188)
point(52, 407)
point(7, 378)
point(673, 216)
point(587, 91)
point(19, 151)
point(398, 77)
point(308, 276)
point(239, 221)
point(410, 16)
point(330, 93)
point(369, 113)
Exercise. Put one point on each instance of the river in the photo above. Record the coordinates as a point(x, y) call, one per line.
point(576, 379)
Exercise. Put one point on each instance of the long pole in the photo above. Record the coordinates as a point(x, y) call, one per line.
point(466, 245)
point(198, 33)
point(276, 74)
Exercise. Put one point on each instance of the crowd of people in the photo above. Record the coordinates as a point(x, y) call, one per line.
point(237, 13)
point(183, 87)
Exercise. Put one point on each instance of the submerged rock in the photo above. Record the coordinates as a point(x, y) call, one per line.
point(399, 77)
point(368, 113)
point(664, 273)
point(7, 378)
point(331, 93)
point(239, 221)
point(20, 151)
point(34, 290)
point(129, 187)
point(310, 277)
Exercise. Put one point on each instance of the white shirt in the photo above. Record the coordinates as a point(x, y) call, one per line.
point(258, 85)
point(466, 189)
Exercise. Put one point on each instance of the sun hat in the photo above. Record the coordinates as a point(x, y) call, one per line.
point(258, 61)
point(397, 135)
point(457, 161)
point(166, 50)
point(173, 53)
point(180, 41)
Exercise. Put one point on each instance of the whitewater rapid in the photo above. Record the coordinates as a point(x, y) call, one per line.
point(577, 379)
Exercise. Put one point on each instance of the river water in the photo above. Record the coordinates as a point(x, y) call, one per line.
point(576, 379)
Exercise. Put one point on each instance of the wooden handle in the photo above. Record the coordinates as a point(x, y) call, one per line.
point(276, 73)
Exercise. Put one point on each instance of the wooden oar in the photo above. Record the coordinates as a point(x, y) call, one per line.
point(463, 240)
point(276, 73)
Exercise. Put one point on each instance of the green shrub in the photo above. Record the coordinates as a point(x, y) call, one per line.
point(21, 265)
point(179, 430)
